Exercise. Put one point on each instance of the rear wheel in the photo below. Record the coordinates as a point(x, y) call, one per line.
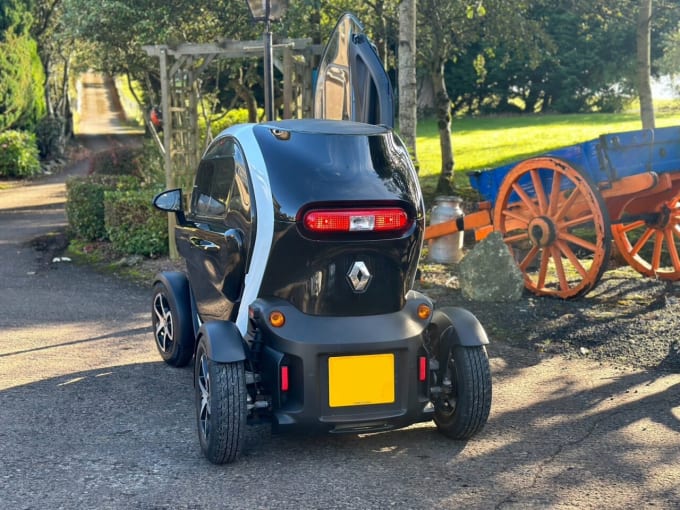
point(221, 407)
point(172, 327)
point(650, 243)
point(463, 408)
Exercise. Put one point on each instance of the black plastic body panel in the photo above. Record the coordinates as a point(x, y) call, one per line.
point(223, 341)
point(305, 343)
point(352, 166)
point(178, 284)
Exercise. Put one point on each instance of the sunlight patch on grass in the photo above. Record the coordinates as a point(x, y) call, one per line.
point(481, 143)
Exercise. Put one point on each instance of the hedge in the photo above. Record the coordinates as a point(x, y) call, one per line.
point(132, 224)
point(85, 203)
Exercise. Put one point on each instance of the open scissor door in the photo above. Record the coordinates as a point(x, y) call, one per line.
point(351, 83)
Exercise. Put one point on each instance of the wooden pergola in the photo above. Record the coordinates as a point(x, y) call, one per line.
point(182, 66)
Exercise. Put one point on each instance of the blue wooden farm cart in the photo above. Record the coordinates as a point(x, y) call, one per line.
point(558, 212)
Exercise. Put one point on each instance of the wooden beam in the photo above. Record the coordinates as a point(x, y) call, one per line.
point(227, 48)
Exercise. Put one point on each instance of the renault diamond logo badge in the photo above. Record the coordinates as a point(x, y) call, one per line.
point(359, 276)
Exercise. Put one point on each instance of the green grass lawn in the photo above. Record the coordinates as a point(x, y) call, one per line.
point(488, 142)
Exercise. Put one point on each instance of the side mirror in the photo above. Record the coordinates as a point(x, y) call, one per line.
point(169, 201)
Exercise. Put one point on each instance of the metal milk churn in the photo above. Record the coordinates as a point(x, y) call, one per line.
point(449, 248)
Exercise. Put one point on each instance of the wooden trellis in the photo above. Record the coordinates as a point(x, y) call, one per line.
point(180, 69)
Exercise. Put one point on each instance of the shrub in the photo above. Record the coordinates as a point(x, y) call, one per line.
point(220, 122)
point(85, 203)
point(152, 168)
point(49, 133)
point(132, 225)
point(117, 161)
point(21, 86)
point(18, 154)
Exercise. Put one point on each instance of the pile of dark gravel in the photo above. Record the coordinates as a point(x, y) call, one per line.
point(626, 320)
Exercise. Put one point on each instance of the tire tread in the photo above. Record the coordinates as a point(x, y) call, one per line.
point(473, 381)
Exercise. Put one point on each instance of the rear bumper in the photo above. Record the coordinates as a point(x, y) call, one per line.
point(306, 343)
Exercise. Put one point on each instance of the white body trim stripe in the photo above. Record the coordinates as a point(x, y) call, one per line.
point(264, 218)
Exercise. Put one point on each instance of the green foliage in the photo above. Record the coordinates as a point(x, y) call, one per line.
point(132, 224)
point(222, 121)
point(152, 168)
point(670, 63)
point(14, 17)
point(547, 55)
point(143, 22)
point(18, 154)
point(22, 101)
point(85, 203)
point(21, 84)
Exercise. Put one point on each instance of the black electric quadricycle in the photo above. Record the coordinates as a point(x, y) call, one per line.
point(301, 240)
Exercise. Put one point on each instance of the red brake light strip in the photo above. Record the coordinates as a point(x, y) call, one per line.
point(356, 220)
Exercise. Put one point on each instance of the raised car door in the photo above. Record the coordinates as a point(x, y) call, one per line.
point(352, 83)
point(215, 241)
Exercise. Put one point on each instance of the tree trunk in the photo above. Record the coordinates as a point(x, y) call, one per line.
point(408, 110)
point(443, 108)
point(47, 68)
point(644, 25)
point(381, 42)
point(66, 111)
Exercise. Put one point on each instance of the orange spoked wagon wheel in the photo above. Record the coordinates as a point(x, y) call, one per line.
point(650, 243)
point(556, 226)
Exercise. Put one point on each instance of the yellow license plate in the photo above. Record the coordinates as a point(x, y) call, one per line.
point(360, 380)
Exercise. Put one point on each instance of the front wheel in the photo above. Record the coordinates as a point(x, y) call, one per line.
point(556, 225)
point(221, 407)
point(463, 408)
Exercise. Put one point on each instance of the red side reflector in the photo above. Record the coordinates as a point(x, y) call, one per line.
point(284, 378)
point(422, 368)
point(356, 220)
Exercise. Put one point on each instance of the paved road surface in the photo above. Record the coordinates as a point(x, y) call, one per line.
point(90, 417)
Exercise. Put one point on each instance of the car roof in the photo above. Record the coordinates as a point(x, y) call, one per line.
point(324, 126)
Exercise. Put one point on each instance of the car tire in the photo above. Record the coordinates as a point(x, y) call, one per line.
point(465, 410)
point(221, 407)
point(172, 328)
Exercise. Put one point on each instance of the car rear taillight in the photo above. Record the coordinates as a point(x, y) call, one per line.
point(356, 220)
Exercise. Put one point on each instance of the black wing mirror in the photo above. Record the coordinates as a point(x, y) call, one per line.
point(169, 201)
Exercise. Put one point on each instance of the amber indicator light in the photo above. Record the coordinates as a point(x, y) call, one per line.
point(424, 311)
point(277, 319)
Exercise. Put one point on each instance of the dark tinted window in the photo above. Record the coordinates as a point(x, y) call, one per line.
point(214, 178)
point(240, 201)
